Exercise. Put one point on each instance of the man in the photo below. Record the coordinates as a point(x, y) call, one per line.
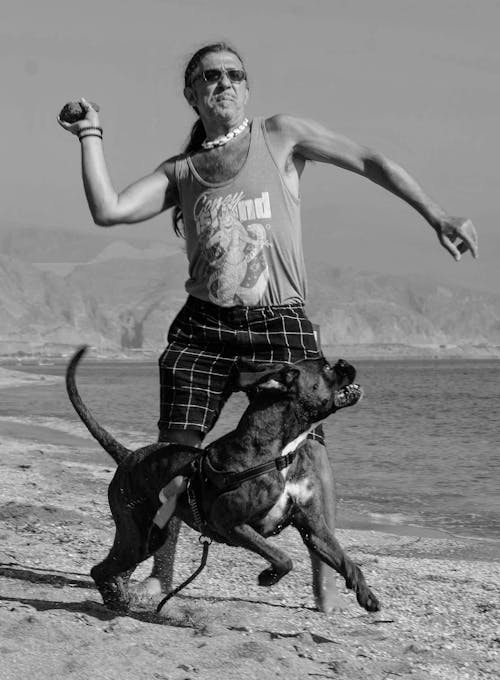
point(235, 194)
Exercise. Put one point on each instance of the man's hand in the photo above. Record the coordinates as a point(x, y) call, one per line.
point(91, 119)
point(457, 235)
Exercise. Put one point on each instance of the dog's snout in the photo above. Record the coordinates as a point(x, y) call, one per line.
point(345, 370)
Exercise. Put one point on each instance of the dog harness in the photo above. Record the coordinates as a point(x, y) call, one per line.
point(202, 473)
point(227, 481)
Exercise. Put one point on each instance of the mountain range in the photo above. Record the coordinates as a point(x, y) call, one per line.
point(59, 289)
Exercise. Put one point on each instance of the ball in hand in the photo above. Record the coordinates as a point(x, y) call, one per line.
point(73, 111)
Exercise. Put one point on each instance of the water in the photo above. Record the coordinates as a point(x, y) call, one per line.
point(422, 448)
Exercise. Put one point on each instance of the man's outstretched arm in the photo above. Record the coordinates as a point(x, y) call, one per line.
point(308, 140)
point(141, 200)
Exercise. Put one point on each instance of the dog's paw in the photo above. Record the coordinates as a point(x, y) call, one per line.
point(120, 606)
point(368, 600)
point(348, 396)
point(115, 599)
point(270, 576)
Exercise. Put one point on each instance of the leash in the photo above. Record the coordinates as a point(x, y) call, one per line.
point(193, 503)
point(206, 544)
point(191, 494)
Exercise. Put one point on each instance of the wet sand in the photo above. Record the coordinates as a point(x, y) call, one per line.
point(13, 378)
point(440, 594)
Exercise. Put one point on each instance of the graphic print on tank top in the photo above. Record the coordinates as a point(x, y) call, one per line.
point(232, 231)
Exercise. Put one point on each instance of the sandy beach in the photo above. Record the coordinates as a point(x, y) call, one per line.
point(440, 593)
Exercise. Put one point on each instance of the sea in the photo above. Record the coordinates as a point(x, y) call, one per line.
point(422, 449)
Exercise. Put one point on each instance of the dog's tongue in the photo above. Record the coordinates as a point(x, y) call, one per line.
point(348, 396)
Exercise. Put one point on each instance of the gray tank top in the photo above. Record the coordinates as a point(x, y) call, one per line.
point(244, 236)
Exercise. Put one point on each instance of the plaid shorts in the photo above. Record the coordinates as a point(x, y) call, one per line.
point(204, 343)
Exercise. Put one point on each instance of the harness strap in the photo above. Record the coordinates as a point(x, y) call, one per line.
point(231, 480)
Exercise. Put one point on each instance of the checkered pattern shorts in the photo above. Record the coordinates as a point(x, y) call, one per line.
point(204, 343)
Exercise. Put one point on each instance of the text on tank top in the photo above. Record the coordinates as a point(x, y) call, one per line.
point(243, 236)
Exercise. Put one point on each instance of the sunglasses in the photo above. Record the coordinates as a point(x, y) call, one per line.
point(213, 75)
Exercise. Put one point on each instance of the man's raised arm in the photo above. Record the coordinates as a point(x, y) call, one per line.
point(311, 141)
point(140, 201)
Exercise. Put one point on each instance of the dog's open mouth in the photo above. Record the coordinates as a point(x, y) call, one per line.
point(348, 396)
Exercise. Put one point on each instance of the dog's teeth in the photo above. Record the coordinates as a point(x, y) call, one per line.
point(348, 396)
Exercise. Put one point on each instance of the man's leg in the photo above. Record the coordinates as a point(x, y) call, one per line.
point(325, 591)
point(294, 338)
point(160, 579)
point(195, 370)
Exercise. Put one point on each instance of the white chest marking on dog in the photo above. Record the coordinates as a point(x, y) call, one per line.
point(295, 443)
point(299, 492)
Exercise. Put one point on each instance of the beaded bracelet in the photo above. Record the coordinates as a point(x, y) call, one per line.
point(90, 134)
point(89, 127)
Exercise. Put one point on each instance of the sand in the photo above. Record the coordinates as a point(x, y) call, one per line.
point(440, 594)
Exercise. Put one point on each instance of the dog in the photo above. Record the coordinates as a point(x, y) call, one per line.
point(245, 486)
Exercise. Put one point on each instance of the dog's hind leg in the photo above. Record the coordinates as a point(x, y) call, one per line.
point(321, 540)
point(111, 576)
point(246, 537)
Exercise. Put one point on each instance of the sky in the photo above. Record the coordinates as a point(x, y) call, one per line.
point(417, 80)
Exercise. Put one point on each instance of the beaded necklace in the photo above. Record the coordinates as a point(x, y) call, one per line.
point(224, 139)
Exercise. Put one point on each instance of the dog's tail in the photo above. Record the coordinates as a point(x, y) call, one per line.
point(116, 450)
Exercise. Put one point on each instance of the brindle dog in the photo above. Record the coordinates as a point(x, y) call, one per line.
point(249, 484)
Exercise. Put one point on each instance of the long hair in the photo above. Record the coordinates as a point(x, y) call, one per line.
point(198, 133)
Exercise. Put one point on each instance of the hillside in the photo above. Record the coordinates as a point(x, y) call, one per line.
point(58, 245)
point(40, 310)
point(125, 295)
point(366, 308)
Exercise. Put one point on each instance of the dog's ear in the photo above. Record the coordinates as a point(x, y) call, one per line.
point(270, 377)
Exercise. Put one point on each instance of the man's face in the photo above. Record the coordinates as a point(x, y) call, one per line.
point(224, 99)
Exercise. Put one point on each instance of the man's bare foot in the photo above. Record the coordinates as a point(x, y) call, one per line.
point(146, 592)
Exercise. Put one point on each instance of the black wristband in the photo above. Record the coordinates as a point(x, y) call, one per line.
point(90, 134)
point(90, 127)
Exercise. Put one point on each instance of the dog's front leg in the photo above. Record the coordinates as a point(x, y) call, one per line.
point(245, 537)
point(318, 538)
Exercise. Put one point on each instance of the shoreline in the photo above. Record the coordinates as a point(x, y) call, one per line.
point(16, 432)
point(10, 377)
point(368, 352)
point(354, 521)
point(347, 517)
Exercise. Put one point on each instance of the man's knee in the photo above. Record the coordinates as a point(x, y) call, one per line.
point(176, 436)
